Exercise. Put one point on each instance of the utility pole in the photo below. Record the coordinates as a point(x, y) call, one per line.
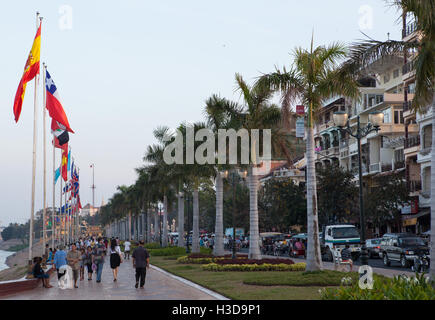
point(93, 185)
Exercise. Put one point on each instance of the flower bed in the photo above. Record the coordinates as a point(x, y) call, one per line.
point(254, 261)
point(254, 267)
point(200, 258)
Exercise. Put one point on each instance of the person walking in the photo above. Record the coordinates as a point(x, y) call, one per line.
point(98, 257)
point(115, 258)
point(82, 263)
point(73, 258)
point(141, 261)
point(88, 262)
point(127, 245)
point(59, 259)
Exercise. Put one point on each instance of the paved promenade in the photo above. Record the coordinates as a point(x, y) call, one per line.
point(158, 286)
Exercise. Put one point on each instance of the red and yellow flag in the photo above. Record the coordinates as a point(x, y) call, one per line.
point(64, 163)
point(31, 69)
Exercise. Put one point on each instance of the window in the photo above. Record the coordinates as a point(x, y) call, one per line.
point(386, 78)
point(386, 116)
point(398, 116)
point(427, 134)
point(395, 73)
point(399, 156)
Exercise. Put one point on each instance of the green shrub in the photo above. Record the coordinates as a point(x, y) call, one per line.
point(205, 250)
point(186, 259)
point(254, 267)
point(398, 288)
point(168, 251)
point(152, 245)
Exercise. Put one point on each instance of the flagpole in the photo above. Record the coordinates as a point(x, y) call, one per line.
point(44, 212)
point(35, 122)
point(61, 237)
point(53, 221)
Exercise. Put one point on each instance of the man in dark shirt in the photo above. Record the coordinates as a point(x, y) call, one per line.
point(141, 261)
point(346, 256)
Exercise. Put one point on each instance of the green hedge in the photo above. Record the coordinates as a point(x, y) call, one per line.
point(254, 267)
point(168, 251)
point(399, 288)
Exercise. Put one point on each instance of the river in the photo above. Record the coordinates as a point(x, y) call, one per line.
point(3, 256)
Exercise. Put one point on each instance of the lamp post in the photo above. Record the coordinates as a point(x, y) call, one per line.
point(160, 223)
point(234, 174)
point(342, 122)
point(188, 200)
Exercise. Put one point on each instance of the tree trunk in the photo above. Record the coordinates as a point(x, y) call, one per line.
point(165, 221)
point(254, 237)
point(181, 220)
point(148, 225)
point(156, 226)
point(195, 235)
point(432, 198)
point(314, 260)
point(129, 225)
point(219, 226)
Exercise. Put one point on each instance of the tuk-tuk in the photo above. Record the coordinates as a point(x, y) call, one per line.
point(267, 240)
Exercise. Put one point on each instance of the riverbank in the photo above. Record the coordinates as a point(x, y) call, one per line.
point(17, 262)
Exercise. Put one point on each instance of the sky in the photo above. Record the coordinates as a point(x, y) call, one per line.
point(123, 68)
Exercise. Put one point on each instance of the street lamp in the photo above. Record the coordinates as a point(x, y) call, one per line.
point(234, 174)
point(160, 223)
point(188, 200)
point(342, 122)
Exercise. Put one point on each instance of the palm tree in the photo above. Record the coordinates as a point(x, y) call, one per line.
point(423, 12)
point(218, 116)
point(314, 76)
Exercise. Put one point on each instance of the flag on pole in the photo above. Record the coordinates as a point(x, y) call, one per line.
point(53, 104)
point(60, 133)
point(69, 160)
point(31, 69)
point(56, 175)
point(64, 164)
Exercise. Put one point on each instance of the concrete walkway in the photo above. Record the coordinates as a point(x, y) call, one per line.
point(158, 286)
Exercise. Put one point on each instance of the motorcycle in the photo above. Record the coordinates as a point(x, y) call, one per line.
point(421, 263)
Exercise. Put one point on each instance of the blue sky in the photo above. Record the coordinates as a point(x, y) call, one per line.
point(126, 67)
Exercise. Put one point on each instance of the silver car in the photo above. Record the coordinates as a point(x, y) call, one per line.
point(373, 247)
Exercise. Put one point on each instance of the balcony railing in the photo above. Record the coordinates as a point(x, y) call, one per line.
point(399, 165)
point(412, 142)
point(409, 29)
point(414, 185)
point(374, 167)
point(386, 167)
point(407, 67)
point(406, 106)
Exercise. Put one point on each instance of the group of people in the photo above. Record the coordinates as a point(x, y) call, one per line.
point(89, 254)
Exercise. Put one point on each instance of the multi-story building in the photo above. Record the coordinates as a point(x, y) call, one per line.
point(417, 145)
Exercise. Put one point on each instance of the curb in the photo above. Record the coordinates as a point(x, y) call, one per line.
point(191, 284)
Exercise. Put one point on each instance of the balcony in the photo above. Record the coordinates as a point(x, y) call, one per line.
point(412, 142)
point(414, 185)
point(374, 168)
point(408, 70)
point(409, 29)
point(396, 98)
point(424, 199)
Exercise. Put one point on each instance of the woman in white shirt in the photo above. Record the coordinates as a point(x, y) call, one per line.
point(115, 258)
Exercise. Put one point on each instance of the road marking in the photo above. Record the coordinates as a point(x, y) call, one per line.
point(192, 284)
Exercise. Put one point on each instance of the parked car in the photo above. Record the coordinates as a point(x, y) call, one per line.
point(402, 248)
point(373, 247)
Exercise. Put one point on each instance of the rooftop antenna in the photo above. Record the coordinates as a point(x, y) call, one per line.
point(388, 35)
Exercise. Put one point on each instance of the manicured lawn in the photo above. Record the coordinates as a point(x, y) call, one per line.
point(256, 285)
